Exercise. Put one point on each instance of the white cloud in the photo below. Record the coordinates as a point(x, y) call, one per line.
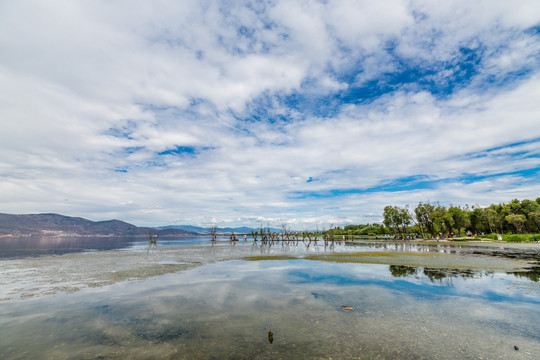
point(92, 92)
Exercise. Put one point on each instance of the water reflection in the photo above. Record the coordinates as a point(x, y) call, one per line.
point(403, 270)
point(434, 274)
point(443, 276)
point(49, 245)
point(227, 310)
point(36, 245)
point(532, 273)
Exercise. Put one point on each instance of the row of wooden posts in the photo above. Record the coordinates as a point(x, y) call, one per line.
point(284, 237)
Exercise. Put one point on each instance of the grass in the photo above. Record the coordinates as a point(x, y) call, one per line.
point(511, 237)
point(520, 238)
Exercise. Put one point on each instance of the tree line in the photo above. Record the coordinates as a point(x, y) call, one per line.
point(432, 219)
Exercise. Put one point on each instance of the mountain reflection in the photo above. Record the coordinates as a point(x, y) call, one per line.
point(37, 246)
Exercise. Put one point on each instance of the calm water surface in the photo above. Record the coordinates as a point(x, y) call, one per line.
point(225, 310)
point(49, 245)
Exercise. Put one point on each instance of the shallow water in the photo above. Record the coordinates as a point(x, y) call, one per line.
point(22, 247)
point(219, 305)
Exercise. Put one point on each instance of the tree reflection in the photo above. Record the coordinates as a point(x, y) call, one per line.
point(443, 273)
point(403, 270)
point(50, 245)
point(532, 273)
point(444, 276)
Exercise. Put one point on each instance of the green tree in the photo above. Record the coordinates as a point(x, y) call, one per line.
point(513, 207)
point(405, 218)
point(397, 218)
point(448, 222)
point(423, 217)
point(535, 218)
point(478, 220)
point(460, 218)
point(516, 216)
point(531, 210)
point(391, 218)
point(517, 220)
point(494, 219)
point(441, 220)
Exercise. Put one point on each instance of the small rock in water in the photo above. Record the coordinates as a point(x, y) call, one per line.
point(270, 337)
point(516, 347)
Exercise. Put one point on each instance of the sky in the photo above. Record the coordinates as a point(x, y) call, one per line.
point(310, 113)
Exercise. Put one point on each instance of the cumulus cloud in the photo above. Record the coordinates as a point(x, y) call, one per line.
point(298, 112)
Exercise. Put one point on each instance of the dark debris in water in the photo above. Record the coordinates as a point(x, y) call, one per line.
point(270, 337)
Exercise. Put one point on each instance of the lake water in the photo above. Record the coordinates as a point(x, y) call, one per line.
point(228, 298)
point(47, 245)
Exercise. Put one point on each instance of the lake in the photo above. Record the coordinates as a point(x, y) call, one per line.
point(194, 299)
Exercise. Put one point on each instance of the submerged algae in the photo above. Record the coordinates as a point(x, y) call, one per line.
point(47, 275)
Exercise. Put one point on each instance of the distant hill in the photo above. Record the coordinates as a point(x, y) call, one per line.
point(225, 230)
point(60, 225)
point(195, 229)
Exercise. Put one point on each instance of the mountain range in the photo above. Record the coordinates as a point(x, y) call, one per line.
point(60, 225)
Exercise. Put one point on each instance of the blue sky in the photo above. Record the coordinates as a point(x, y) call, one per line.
point(250, 112)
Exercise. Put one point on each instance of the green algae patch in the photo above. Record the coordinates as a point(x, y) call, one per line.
point(351, 255)
point(430, 260)
point(365, 254)
point(427, 260)
point(366, 257)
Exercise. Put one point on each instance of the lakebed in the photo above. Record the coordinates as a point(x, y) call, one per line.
point(203, 299)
